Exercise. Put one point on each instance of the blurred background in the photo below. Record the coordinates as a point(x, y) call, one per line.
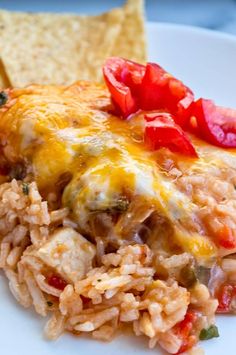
point(214, 14)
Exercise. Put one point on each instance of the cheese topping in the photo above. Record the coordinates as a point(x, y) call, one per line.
point(59, 130)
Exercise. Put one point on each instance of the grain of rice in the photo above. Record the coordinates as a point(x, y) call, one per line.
point(36, 294)
point(175, 261)
point(19, 234)
point(146, 326)
point(170, 342)
point(97, 320)
point(194, 351)
point(129, 315)
point(19, 290)
point(111, 259)
point(4, 252)
point(118, 281)
point(104, 333)
point(70, 302)
point(199, 294)
point(111, 293)
point(45, 287)
point(229, 265)
point(13, 257)
point(55, 326)
point(59, 215)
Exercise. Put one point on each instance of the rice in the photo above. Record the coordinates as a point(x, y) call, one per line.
point(114, 289)
point(215, 195)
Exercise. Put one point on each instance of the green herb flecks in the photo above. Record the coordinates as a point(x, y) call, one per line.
point(3, 98)
point(122, 204)
point(25, 188)
point(209, 333)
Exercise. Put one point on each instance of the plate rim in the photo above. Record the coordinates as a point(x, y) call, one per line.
point(195, 30)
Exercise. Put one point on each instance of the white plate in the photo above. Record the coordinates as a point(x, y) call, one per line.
point(206, 61)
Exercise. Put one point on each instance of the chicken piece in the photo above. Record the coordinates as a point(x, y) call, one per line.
point(69, 253)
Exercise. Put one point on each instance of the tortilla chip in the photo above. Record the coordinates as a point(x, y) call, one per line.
point(48, 48)
point(56, 49)
point(131, 42)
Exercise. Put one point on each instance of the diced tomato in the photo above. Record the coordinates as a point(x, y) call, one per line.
point(134, 86)
point(187, 344)
point(225, 296)
point(216, 125)
point(162, 131)
point(123, 78)
point(226, 238)
point(183, 330)
point(57, 282)
point(160, 90)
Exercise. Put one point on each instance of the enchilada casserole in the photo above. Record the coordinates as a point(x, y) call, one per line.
point(102, 232)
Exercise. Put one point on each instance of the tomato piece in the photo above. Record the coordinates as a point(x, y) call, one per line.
point(187, 344)
point(134, 86)
point(162, 131)
point(183, 330)
point(225, 296)
point(216, 125)
point(226, 238)
point(160, 90)
point(123, 78)
point(57, 282)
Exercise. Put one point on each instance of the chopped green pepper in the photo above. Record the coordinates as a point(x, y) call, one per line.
point(3, 98)
point(188, 276)
point(209, 333)
point(25, 188)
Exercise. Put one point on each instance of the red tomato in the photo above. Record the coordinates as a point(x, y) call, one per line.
point(160, 90)
point(225, 296)
point(134, 86)
point(216, 125)
point(162, 131)
point(57, 282)
point(226, 238)
point(123, 79)
point(183, 330)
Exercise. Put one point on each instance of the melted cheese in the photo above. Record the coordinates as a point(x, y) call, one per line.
point(59, 130)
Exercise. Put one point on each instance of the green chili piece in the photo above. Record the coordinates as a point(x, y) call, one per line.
point(209, 333)
point(188, 276)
